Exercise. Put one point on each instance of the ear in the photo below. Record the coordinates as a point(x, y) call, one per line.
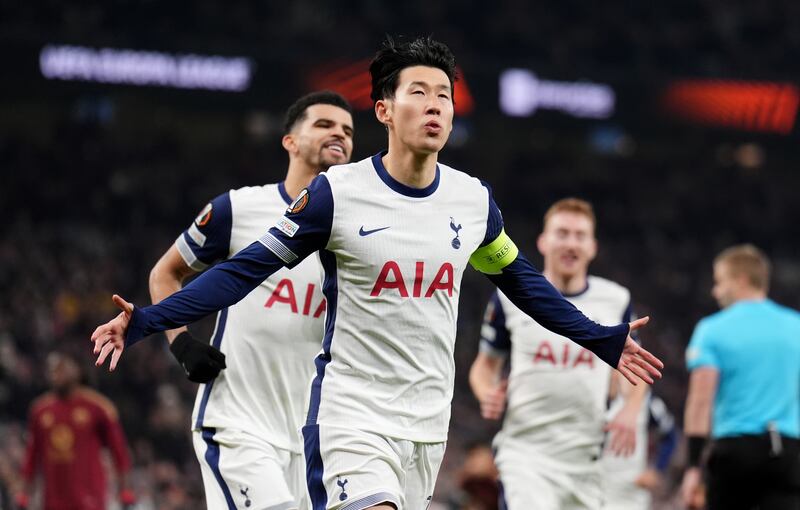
point(289, 143)
point(383, 111)
point(593, 250)
point(540, 243)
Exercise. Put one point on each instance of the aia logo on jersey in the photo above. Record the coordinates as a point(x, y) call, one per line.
point(570, 356)
point(284, 293)
point(205, 215)
point(299, 203)
point(391, 278)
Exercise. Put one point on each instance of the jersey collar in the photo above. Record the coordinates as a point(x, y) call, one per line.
point(579, 293)
point(282, 190)
point(399, 187)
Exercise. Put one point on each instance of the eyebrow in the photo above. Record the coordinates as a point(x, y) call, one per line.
point(426, 84)
point(346, 127)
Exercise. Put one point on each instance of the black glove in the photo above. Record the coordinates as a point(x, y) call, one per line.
point(201, 361)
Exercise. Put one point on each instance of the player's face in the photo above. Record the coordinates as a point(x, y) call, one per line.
point(62, 372)
point(421, 112)
point(568, 244)
point(325, 137)
point(726, 285)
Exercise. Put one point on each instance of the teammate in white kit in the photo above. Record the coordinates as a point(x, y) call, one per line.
point(395, 233)
point(549, 448)
point(246, 421)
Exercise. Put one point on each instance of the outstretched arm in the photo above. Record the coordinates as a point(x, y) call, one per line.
point(229, 281)
point(533, 294)
point(223, 285)
point(499, 258)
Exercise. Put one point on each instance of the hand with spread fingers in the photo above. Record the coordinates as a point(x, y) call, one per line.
point(636, 362)
point(110, 337)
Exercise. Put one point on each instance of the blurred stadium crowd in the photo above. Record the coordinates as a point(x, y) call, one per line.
point(711, 36)
point(96, 187)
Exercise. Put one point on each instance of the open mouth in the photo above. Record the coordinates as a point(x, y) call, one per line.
point(335, 147)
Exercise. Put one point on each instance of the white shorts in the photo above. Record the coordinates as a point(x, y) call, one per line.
point(531, 483)
point(350, 469)
point(243, 471)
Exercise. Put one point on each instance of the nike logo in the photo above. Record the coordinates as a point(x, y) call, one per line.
point(363, 232)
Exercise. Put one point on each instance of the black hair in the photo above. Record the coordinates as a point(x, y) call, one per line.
point(297, 112)
point(70, 353)
point(393, 58)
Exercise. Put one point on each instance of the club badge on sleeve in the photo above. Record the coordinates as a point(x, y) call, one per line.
point(205, 215)
point(299, 203)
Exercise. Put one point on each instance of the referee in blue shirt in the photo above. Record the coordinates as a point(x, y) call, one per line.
point(744, 391)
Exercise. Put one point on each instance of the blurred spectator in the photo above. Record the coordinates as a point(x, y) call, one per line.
point(67, 430)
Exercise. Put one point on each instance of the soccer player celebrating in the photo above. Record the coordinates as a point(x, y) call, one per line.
point(549, 448)
point(68, 429)
point(246, 421)
point(395, 233)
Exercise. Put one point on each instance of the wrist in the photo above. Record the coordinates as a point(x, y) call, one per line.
point(180, 343)
point(172, 334)
point(695, 447)
point(136, 326)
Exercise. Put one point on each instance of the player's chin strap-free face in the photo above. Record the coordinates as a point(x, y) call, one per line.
point(492, 258)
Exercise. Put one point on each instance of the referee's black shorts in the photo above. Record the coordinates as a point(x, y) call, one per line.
point(744, 473)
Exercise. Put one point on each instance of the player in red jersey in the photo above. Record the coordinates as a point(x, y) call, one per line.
point(68, 427)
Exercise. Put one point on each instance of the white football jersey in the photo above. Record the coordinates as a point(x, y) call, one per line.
point(388, 355)
point(269, 338)
point(557, 390)
point(393, 257)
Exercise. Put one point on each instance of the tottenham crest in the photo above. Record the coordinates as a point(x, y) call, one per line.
point(456, 242)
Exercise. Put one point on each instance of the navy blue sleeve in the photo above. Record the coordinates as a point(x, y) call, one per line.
point(627, 317)
point(667, 432)
point(527, 288)
point(495, 336)
point(208, 238)
point(494, 223)
point(304, 229)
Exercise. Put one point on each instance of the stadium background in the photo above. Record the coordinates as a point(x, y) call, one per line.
point(697, 152)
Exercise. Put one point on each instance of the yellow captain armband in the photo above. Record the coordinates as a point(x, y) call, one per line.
point(492, 258)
